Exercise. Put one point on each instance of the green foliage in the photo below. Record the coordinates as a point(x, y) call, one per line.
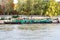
point(51, 8)
point(15, 16)
point(9, 7)
point(2, 19)
point(30, 7)
point(34, 7)
point(58, 8)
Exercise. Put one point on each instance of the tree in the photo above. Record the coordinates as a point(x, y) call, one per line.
point(28, 7)
point(58, 8)
point(39, 7)
point(51, 8)
point(1, 11)
point(25, 7)
point(21, 7)
point(9, 7)
point(36, 8)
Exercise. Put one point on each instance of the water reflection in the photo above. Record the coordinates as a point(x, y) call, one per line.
point(38, 32)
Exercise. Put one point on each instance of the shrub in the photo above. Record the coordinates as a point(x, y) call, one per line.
point(15, 16)
point(2, 19)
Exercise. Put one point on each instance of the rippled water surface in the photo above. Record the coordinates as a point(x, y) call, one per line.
point(30, 32)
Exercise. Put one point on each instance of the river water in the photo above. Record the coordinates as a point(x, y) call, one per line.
point(30, 32)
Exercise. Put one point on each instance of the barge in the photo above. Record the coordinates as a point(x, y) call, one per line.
point(32, 21)
point(29, 20)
